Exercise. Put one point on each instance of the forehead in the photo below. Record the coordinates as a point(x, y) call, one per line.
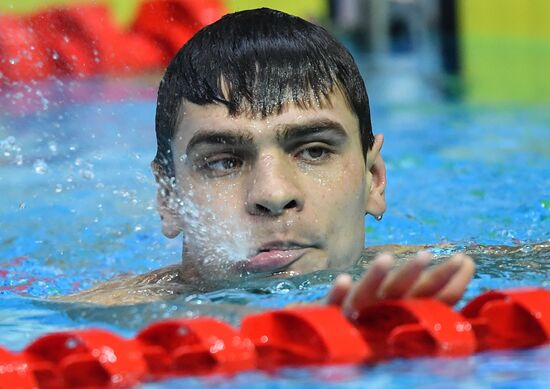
point(194, 118)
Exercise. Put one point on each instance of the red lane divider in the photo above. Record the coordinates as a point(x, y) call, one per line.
point(65, 40)
point(510, 319)
point(411, 328)
point(14, 371)
point(101, 47)
point(83, 40)
point(192, 347)
point(88, 358)
point(307, 336)
point(289, 337)
point(22, 56)
point(172, 22)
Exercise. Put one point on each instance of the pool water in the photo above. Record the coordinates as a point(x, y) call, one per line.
point(78, 208)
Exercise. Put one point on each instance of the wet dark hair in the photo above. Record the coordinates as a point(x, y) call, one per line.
point(255, 62)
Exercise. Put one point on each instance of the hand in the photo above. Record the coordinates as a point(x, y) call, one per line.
point(445, 282)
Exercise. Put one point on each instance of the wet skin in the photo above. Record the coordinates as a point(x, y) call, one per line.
point(279, 196)
point(288, 194)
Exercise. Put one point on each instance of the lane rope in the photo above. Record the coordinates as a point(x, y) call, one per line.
point(305, 336)
point(83, 40)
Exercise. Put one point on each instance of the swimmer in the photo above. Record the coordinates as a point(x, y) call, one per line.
point(267, 165)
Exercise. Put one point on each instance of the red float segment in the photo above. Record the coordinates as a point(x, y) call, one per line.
point(83, 359)
point(171, 23)
point(84, 40)
point(68, 46)
point(510, 319)
point(113, 51)
point(136, 53)
point(412, 328)
point(14, 371)
point(22, 54)
point(75, 41)
point(305, 336)
point(197, 346)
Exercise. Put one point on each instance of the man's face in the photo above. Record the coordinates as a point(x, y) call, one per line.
point(287, 193)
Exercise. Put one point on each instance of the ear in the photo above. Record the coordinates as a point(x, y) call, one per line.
point(169, 215)
point(376, 179)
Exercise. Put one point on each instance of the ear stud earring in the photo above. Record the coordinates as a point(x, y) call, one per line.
point(378, 218)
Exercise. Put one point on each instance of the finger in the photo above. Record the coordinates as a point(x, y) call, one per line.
point(340, 288)
point(366, 291)
point(399, 283)
point(453, 291)
point(434, 280)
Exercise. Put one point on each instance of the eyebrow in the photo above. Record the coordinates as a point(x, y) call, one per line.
point(316, 126)
point(219, 137)
point(284, 134)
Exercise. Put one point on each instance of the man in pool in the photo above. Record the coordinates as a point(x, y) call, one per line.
point(267, 164)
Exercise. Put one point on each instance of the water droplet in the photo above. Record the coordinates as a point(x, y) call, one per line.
point(116, 378)
point(71, 343)
point(87, 174)
point(55, 55)
point(52, 146)
point(283, 287)
point(40, 167)
point(217, 346)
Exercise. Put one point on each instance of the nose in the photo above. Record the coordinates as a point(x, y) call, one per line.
point(273, 187)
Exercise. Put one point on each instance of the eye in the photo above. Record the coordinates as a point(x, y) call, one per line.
point(314, 154)
point(220, 166)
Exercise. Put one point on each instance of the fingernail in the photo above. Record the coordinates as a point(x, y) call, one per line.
point(343, 279)
point(385, 260)
point(457, 259)
point(424, 257)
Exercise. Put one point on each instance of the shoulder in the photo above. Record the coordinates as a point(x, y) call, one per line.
point(398, 249)
point(155, 285)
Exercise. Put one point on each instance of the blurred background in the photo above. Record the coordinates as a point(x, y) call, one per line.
point(482, 51)
point(459, 88)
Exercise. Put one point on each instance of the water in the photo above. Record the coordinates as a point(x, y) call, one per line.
point(78, 208)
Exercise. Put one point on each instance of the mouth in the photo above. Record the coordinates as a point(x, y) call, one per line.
point(274, 256)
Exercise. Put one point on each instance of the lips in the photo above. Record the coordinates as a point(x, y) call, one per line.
point(274, 256)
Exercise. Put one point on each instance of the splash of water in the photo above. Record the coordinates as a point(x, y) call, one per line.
point(223, 242)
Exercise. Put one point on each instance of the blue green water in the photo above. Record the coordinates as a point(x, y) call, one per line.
point(77, 208)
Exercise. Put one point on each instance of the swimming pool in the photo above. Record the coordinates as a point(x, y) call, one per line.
point(78, 208)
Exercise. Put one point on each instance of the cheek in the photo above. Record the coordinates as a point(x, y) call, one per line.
point(345, 217)
point(347, 185)
point(343, 199)
point(212, 202)
point(212, 222)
